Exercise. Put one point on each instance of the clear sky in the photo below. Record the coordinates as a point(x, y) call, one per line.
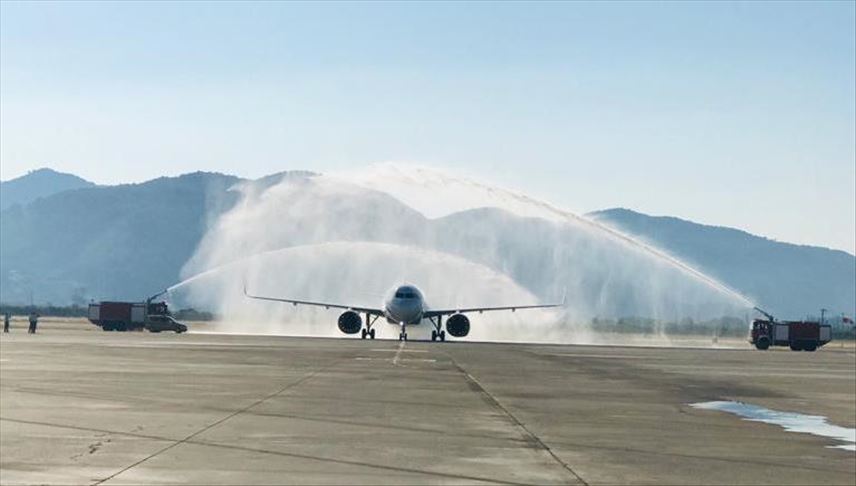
point(736, 114)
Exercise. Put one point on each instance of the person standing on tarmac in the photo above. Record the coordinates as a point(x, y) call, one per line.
point(6, 318)
point(34, 321)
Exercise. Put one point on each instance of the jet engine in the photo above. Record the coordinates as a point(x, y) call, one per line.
point(458, 325)
point(350, 322)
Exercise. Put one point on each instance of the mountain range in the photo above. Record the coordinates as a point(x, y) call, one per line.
point(37, 184)
point(65, 240)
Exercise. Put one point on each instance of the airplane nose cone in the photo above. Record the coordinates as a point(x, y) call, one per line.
point(406, 311)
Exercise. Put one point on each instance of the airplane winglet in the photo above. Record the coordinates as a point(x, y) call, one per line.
point(564, 296)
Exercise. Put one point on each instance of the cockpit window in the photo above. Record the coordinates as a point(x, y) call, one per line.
point(405, 294)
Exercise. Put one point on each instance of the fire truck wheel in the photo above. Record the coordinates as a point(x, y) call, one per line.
point(762, 343)
point(796, 347)
point(810, 347)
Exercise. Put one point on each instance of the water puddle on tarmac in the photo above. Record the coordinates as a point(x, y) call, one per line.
point(790, 421)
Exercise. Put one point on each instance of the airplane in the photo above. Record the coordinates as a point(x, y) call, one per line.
point(404, 307)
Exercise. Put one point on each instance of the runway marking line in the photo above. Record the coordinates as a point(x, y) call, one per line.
point(212, 425)
point(417, 360)
point(526, 432)
point(398, 353)
point(397, 350)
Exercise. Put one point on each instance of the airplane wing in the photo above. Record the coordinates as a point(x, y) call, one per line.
point(462, 310)
point(444, 312)
point(327, 305)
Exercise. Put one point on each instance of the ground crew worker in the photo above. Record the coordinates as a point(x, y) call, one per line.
point(6, 322)
point(34, 321)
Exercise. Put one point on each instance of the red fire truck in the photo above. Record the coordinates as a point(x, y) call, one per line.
point(798, 335)
point(134, 316)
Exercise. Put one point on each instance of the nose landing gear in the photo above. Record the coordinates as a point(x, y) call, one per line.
point(402, 336)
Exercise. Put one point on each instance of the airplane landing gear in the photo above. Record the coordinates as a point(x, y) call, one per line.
point(369, 331)
point(402, 336)
point(438, 332)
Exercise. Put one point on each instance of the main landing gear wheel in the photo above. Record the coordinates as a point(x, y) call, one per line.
point(402, 336)
point(363, 334)
point(433, 335)
point(371, 334)
point(442, 335)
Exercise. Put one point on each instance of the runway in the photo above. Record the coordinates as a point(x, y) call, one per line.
point(80, 406)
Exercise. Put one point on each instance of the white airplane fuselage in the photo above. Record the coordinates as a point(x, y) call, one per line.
point(405, 305)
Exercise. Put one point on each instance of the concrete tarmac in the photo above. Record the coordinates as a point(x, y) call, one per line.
point(80, 406)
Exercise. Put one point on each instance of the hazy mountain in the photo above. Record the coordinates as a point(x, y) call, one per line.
point(36, 184)
point(118, 242)
point(789, 280)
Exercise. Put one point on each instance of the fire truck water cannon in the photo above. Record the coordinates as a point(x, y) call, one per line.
point(152, 298)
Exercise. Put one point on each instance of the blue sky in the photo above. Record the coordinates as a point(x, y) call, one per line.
point(736, 114)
